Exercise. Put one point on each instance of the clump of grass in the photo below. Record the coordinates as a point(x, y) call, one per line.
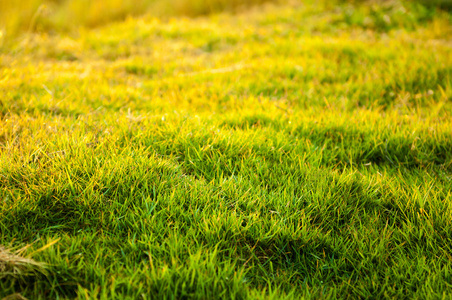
point(13, 263)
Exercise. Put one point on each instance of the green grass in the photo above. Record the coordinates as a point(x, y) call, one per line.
point(280, 152)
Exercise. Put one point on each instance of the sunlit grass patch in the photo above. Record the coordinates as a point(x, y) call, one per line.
point(299, 150)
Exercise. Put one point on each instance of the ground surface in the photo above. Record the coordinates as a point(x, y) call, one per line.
point(284, 151)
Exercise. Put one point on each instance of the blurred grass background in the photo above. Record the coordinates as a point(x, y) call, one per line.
point(63, 15)
point(17, 17)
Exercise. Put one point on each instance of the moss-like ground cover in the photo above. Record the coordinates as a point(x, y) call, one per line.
point(285, 151)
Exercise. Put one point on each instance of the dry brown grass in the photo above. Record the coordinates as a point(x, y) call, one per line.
point(13, 262)
point(15, 296)
point(16, 262)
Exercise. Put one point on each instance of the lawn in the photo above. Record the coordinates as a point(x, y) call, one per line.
point(284, 150)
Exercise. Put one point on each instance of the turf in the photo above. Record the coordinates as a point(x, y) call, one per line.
point(280, 152)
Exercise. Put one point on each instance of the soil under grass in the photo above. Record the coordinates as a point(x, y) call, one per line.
point(286, 151)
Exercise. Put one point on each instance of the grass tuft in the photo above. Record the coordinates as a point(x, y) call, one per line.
point(14, 264)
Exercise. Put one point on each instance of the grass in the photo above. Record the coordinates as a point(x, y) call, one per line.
point(279, 152)
point(68, 15)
